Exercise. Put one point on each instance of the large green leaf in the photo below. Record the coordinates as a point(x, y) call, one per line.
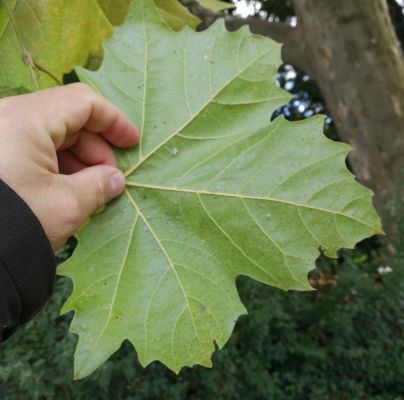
point(215, 190)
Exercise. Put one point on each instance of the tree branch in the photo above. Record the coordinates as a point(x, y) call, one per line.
point(207, 16)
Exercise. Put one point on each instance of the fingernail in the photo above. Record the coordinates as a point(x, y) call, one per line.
point(117, 183)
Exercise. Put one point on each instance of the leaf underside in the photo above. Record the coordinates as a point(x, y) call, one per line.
point(215, 190)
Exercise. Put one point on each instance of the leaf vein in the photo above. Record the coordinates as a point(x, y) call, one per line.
point(232, 241)
point(137, 165)
point(158, 241)
point(283, 254)
point(250, 197)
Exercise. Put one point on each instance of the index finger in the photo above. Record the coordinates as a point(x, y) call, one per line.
point(75, 107)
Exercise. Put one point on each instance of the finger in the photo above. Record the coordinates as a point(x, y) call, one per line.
point(70, 140)
point(68, 163)
point(71, 108)
point(92, 149)
point(93, 187)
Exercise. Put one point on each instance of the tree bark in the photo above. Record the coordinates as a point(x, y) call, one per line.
point(358, 65)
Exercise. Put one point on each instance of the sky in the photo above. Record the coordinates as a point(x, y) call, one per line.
point(245, 9)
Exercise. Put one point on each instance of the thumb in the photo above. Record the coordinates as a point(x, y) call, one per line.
point(93, 187)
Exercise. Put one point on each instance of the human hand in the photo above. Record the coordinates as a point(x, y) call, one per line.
point(55, 154)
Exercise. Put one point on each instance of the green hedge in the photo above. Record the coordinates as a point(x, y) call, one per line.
point(344, 341)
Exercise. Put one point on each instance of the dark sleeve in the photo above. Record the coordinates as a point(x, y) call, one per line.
point(27, 263)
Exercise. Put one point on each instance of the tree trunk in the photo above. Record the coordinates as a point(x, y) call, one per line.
point(357, 62)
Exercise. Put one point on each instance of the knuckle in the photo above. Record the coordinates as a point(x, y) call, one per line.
point(84, 88)
point(85, 92)
point(88, 96)
point(98, 193)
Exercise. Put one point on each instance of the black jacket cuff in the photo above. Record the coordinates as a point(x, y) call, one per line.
point(27, 262)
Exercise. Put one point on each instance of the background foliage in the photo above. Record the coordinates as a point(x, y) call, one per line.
point(344, 341)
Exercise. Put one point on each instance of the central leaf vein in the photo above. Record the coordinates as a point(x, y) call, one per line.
point(164, 251)
point(143, 159)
